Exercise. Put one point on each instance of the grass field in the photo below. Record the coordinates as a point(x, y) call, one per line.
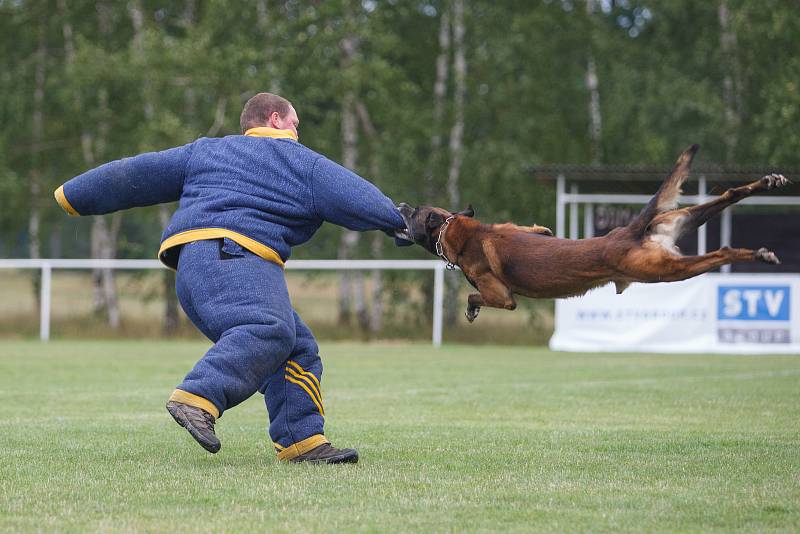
point(458, 439)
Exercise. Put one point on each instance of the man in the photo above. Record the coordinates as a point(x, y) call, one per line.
point(245, 200)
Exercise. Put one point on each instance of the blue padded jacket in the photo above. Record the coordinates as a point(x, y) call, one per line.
point(263, 190)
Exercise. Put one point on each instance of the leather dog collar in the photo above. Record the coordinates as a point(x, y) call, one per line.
point(440, 247)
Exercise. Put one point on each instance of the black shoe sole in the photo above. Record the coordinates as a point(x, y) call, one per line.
point(344, 458)
point(213, 448)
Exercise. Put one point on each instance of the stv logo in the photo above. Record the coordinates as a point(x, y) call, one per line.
point(753, 303)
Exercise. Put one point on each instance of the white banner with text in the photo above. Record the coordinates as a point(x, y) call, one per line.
point(717, 313)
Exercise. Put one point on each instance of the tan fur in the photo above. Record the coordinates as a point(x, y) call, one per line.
point(502, 260)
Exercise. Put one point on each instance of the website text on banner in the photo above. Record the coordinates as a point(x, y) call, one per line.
point(733, 313)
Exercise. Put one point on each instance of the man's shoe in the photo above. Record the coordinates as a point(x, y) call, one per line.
point(328, 454)
point(198, 422)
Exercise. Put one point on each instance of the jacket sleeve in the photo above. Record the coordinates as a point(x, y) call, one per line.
point(143, 180)
point(344, 198)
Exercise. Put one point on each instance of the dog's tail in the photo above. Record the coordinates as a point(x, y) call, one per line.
point(666, 198)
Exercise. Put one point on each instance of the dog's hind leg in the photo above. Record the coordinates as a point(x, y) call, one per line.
point(667, 228)
point(666, 199)
point(683, 267)
point(493, 293)
point(701, 213)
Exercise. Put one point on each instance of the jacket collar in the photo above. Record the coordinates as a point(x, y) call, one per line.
point(264, 131)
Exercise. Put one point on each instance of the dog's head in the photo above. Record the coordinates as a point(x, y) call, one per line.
point(425, 222)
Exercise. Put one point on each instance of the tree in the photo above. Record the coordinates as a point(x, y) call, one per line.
point(456, 141)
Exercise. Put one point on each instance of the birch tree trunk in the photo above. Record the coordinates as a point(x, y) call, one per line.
point(269, 61)
point(731, 82)
point(170, 320)
point(592, 86)
point(103, 236)
point(456, 143)
point(439, 93)
point(376, 246)
point(35, 183)
point(351, 283)
point(170, 323)
point(137, 20)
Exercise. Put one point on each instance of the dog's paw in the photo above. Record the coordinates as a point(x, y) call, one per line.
point(472, 313)
point(775, 181)
point(767, 256)
point(543, 230)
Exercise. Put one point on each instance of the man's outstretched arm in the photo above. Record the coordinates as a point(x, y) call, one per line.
point(344, 198)
point(143, 180)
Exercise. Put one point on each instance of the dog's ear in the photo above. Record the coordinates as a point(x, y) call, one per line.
point(469, 212)
point(435, 220)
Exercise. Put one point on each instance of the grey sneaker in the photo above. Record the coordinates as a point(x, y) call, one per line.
point(198, 422)
point(328, 454)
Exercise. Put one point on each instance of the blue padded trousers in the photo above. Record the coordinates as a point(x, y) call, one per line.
point(241, 303)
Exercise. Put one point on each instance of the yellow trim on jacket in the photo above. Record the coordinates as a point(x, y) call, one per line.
point(64, 203)
point(264, 131)
point(302, 447)
point(181, 238)
point(197, 401)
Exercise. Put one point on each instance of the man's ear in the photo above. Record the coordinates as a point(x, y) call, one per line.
point(468, 212)
point(273, 119)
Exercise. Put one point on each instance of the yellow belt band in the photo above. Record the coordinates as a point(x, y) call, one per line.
point(199, 234)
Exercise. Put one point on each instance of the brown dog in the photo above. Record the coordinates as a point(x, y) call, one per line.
point(501, 260)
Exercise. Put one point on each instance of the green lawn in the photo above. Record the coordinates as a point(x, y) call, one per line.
point(462, 438)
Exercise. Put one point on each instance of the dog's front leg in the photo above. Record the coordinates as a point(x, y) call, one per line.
point(474, 303)
point(493, 293)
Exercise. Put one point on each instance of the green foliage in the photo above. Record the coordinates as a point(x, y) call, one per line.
point(660, 66)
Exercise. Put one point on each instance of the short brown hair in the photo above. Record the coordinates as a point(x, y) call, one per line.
point(257, 110)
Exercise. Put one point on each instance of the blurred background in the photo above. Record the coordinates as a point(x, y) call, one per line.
point(437, 102)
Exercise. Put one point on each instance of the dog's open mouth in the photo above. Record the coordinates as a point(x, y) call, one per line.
point(405, 212)
point(403, 234)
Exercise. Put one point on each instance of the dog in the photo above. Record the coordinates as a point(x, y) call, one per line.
point(504, 260)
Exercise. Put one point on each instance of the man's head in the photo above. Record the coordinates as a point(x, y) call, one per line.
point(266, 109)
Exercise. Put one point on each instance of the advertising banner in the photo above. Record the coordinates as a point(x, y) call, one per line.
point(712, 313)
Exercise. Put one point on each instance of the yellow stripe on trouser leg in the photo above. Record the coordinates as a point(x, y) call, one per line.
point(305, 387)
point(302, 447)
point(306, 373)
point(314, 390)
point(194, 400)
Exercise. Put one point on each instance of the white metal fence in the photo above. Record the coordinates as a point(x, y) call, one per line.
point(46, 267)
point(573, 199)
